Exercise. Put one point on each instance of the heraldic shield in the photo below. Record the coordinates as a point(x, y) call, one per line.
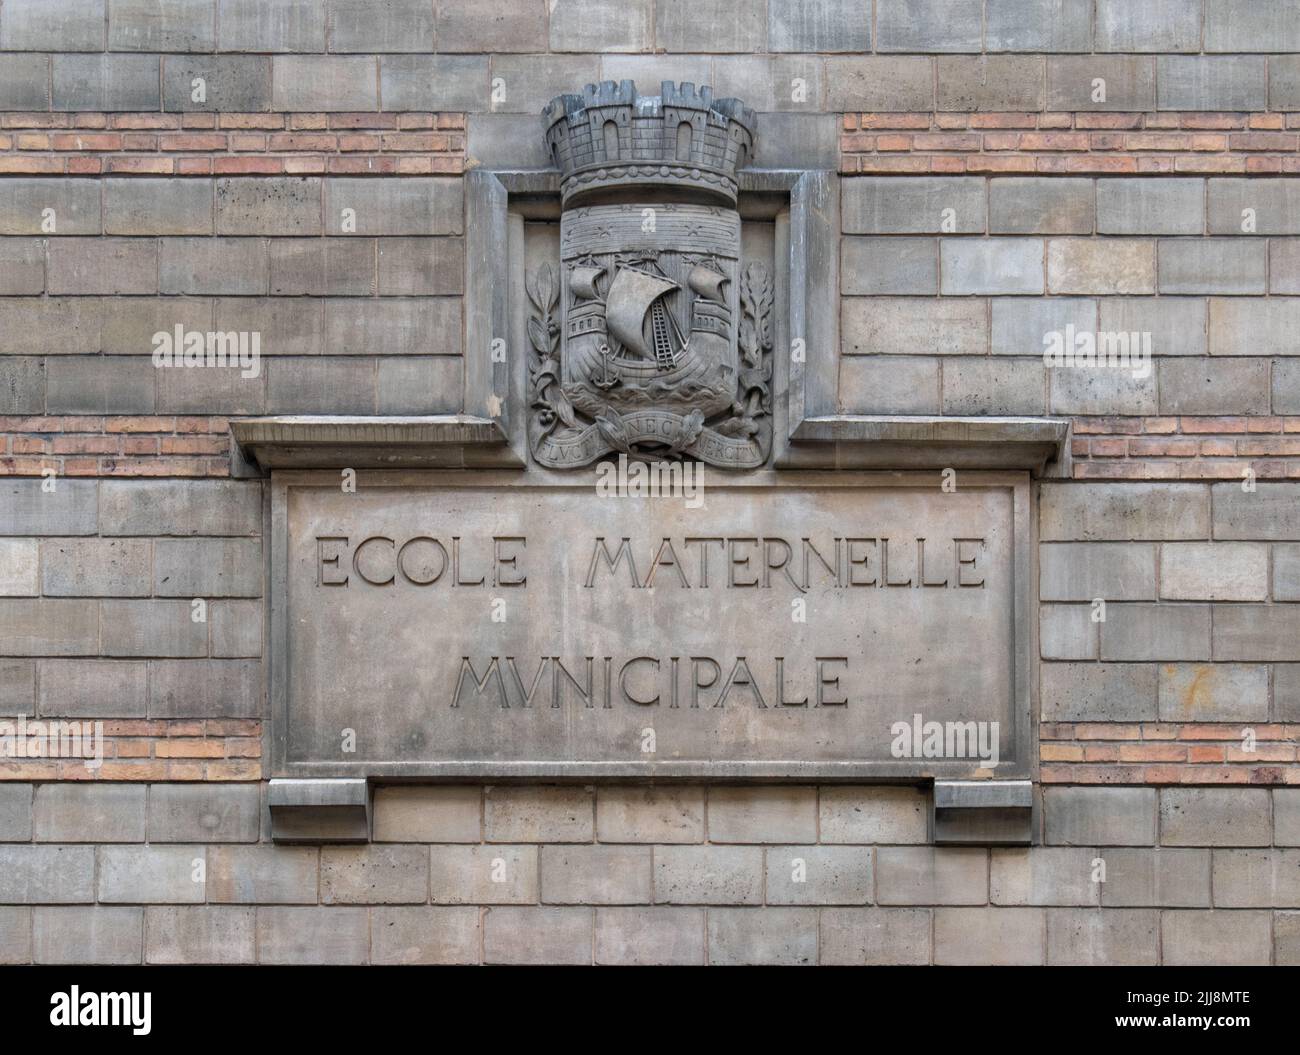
point(652, 337)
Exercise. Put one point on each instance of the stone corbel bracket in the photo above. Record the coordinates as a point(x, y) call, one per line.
point(319, 811)
point(983, 812)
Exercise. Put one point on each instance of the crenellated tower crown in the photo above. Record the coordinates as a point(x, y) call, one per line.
point(610, 138)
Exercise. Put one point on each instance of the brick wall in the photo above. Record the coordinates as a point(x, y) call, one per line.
point(292, 167)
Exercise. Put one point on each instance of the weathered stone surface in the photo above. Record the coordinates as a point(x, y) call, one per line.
point(1101, 266)
point(211, 688)
point(427, 814)
point(1214, 817)
point(36, 874)
point(152, 874)
point(989, 936)
point(214, 934)
point(263, 875)
point(1256, 632)
point(1143, 206)
point(483, 875)
point(1038, 205)
point(1150, 631)
point(1195, 571)
point(410, 934)
point(909, 325)
point(595, 875)
point(649, 815)
point(1223, 938)
point(89, 813)
point(1215, 692)
point(16, 812)
point(368, 875)
point(991, 266)
point(762, 936)
point(313, 935)
point(1099, 816)
point(1271, 511)
point(544, 814)
point(86, 934)
point(1086, 937)
point(873, 815)
point(1147, 25)
point(1067, 631)
point(1162, 877)
point(1119, 571)
point(15, 934)
point(643, 936)
point(181, 813)
point(755, 815)
point(537, 935)
point(708, 875)
point(928, 875)
point(1212, 265)
point(819, 875)
point(1098, 692)
point(914, 205)
point(875, 936)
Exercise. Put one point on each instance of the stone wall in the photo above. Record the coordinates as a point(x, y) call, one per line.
point(292, 167)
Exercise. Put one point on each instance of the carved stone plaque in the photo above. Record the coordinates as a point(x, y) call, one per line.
point(490, 625)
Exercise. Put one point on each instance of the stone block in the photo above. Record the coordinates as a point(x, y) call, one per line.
point(539, 814)
point(1156, 632)
point(263, 874)
point(1123, 511)
point(928, 875)
point(230, 83)
point(105, 82)
point(1214, 692)
point(484, 875)
point(994, 386)
point(151, 628)
point(989, 937)
point(169, 875)
point(884, 83)
point(875, 936)
point(1192, 386)
point(205, 688)
point(148, 25)
point(1260, 632)
point(1221, 938)
point(742, 936)
point(1124, 83)
point(380, 875)
point(89, 813)
point(928, 25)
point(657, 814)
point(1041, 205)
point(596, 875)
point(52, 25)
point(1213, 265)
point(324, 83)
point(1084, 571)
point(1079, 937)
point(1214, 817)
point(914, 205)
point(708, 875)
point(819, 875)
point(313, 935)
point(211, 813)
point(762, 814)
point(271, 25)
point(1011, 83)
point(1156, 877)
point(1038, 25)
point(552, 936)
point(606, 26)
point(1101, 266)
point(1082, 816)
point(1098, 692)
point(116, 385)
point(275, 205)
point(93, 688)
point(991, 266)
point(882, 266)
point(395, 25)
point(84, 934)
point(1148, 25)
point(95, 568)
point(420, 934)
point(911, 325)
point(644, 936)
point(1067, 631)
point(1211, 82)
point(44, 627)
point(873, 815)
point(887, 385)
point(1146, 206)
point(102, 266)
point(427, 814)
point(201, 934)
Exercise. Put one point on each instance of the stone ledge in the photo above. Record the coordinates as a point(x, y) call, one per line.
point(445, 441)
point(854, 441)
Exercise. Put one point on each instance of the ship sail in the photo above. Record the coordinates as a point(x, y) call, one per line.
point(582, 280)
point(707, 283)
point(633, 294)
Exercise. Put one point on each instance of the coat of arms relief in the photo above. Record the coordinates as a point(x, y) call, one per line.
point(653, 336)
